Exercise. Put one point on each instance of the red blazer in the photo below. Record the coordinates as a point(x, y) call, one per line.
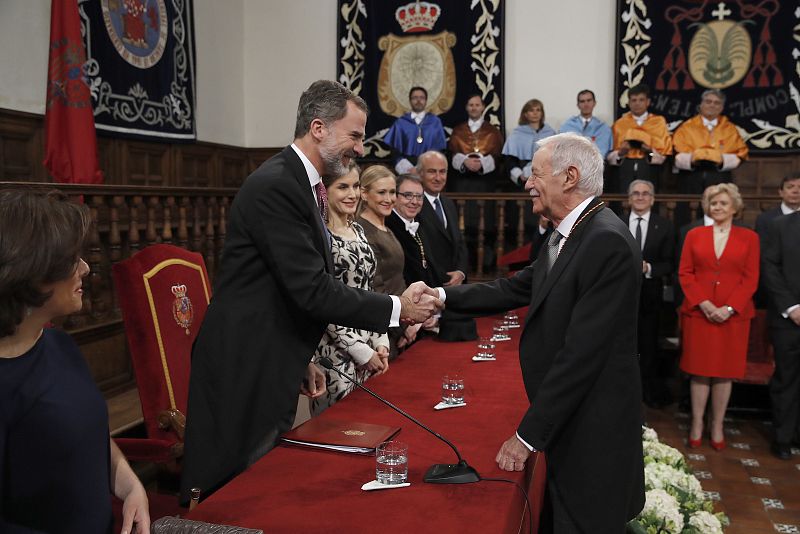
point(730, 280)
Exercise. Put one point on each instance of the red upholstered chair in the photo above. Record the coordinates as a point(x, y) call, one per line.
point(518, 256)
point(163, 293)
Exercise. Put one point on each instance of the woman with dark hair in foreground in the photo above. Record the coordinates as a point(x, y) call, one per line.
point(57, 461)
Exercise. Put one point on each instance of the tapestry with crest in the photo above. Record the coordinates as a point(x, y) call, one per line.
point(750, 50)
point(453, 48)
point(140, 67)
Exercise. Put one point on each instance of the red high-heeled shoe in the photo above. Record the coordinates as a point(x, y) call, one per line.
point(717, 445)
point(694, 443)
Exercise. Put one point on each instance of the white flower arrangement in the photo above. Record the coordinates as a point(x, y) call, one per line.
point(705, 523)
point(674, 500)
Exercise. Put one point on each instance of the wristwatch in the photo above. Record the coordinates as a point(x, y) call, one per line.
point(730, 309)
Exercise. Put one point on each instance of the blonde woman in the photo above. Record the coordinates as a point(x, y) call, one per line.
point(718, 274)
point(378, 198)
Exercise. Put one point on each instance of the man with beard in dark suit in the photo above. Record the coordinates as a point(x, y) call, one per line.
point(655, 236)
point(275, 293)
point(780, 268)
point(444, 243)
point(577, 348)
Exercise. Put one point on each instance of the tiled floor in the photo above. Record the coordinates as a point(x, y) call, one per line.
point(757, 491)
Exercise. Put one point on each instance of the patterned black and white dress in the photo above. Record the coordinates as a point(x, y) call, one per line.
point(354, 264)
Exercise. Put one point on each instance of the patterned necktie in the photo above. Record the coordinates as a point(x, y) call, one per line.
point(439, 211)
point(639, 232)
point(322, 200)
point(552, 248)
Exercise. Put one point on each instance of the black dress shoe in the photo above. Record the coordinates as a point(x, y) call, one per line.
point(781, 450)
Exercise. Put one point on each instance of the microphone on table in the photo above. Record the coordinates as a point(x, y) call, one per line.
point(460, 473)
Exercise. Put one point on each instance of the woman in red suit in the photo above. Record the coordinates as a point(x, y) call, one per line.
point(718, 274)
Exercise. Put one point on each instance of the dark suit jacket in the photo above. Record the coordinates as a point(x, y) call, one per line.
point(578, 354)
point(444, 247)
point(780, 264)
point(446, 251)
point(659, 252)
point(273, 297)
point(412, 268)
point(763, 220)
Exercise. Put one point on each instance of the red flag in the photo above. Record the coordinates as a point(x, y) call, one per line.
point(70, 139)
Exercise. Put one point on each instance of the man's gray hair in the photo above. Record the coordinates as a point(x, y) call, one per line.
point(716, 92)
point(636, 182)
point(429, 154)
point(572, 149)
point(325, 100)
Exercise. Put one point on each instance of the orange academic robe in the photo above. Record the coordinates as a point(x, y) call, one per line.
point(654, 125)
point(724, 137)
point(487, 140)
point(717, 349)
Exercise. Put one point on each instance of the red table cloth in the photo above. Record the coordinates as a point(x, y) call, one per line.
point(295, 489)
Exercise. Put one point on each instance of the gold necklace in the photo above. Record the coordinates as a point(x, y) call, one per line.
point(572, 230)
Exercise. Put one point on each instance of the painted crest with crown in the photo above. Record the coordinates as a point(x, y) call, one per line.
point(417, 16)
point(182, 309)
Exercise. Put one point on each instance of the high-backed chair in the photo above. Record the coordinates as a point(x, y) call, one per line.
point(163, 292)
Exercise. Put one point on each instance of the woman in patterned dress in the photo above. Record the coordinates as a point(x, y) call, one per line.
point(357, 353)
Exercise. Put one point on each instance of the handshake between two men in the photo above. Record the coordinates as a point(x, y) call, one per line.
point(418, 303)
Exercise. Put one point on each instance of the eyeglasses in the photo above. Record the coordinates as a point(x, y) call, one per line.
point(411, 196)
point(641, 194)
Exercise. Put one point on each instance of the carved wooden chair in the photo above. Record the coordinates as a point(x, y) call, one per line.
point(163, 292)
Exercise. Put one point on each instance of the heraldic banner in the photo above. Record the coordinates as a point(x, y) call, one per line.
point(749, 50)
point(452, 48)
point(141, 67)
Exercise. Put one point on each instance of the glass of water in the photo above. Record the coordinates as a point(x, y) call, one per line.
point(500, 332)
point(485, 347)
point(391, 462)
point(452, 389)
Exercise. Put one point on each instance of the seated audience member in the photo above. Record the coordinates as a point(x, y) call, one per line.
point(415, 132)
point(790, 203)
point(641, 142)
point(707, 146)
point(521, 144)
point(719, 275)
point(655, 237)
point(781, 274)
point(588, 125)
point(357, 353)
point(444, 245)
point(378, 197)
point(475, 146)
point(57, 461)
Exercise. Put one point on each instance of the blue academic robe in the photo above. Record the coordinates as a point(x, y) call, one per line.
point(521, 144)
point(596, 131)
point(402, 136)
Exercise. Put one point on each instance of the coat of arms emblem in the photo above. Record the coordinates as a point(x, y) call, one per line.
point(182, 309)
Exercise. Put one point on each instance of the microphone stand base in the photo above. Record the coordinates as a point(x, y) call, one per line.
point(460, 473)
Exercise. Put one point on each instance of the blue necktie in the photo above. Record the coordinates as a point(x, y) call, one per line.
point(439, 211)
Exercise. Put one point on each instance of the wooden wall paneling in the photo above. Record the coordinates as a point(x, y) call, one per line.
point(195, 166)
point(146, 163)
point(762, 175)
point(233, 166)
point(21, 149)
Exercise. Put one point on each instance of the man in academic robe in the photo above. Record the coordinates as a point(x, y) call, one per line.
point(655, 236)
point(475, 146)
point(780, 263)
point(275, 293)
point(577, 347)
point(445, 248)
point(641, 142)
point(589, 126)
point(415, 132)
point(707, 146)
